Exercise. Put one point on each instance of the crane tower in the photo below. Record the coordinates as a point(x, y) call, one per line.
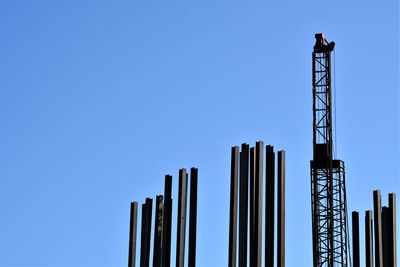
point(328, 190)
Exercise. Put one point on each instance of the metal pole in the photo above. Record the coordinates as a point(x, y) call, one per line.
point(369, 246)
point(243, 206)
point(132, 235)
point(258, 205)
point(392, 230)
point(378, 228)
point(356, 238)
point(252, 220)
point(166, 239)
point(269, 206)
point(193, 217)
point(385, 237)
point(181, 218)
point(146, 233)
point(281, 208)
point(158, 227)
point(233, 207)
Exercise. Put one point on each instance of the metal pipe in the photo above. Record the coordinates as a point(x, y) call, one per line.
point(233, 207)
point(158, 228)
point(146, 233)
point(132, 235)
point(193, 217)
point(392, 230)
point(378, 228)
point(356, 238)
point(252, 189)
point(385, 237)
point(181, 218)
point(369, 246)
point(166, 239)
point(258, 204)
point(269, 206)
point(281, 208)
point(243, 206)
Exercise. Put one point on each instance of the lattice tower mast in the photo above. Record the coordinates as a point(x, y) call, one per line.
point(328, 190)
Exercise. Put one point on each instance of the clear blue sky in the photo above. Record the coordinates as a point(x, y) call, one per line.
point(100, 99)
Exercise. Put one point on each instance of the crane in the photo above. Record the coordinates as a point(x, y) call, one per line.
point(328, 188)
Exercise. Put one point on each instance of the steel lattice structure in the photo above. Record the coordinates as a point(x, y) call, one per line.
point(328, 191)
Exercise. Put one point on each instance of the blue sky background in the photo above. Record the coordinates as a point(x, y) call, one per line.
point(100, 99)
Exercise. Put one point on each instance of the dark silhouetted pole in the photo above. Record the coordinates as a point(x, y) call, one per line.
point(259, 160)
point(243, 205)
point(233, 207)
point(166, 240)
point(385, 237)
point(181, 218)
point(146, 233)
point(158, 227)
point(392, 230)
point(193, 217)
point(132, 235)
point(269, 205)
point(378, 228)
point(252, 189)
point(356, 238)
point(281, 209)
point(369, 247)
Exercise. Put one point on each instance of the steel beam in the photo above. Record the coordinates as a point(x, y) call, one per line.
point(378, 228)
point(269, 205)
point(385, 237)
point(132, 235)
point(181, 218)
point(146, 233)
point(158, 228)
point(166, 239)
point(258, 204)
point(281, 208)
point(369, 246)
point(243, 205)
point(143, 235)
point(392, 230)
point(193, 217)
point(252, 189)
point(233, 207)
point(356, 238)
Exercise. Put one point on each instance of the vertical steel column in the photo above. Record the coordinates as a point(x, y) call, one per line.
point(252, 220)
point(258, 204)
point(385, 237)
point(281, 208)
point(233, 207)
point(143, 235)
point(193, 217)
point(378, 228)
point(166, 239)
point(356, 238)
point(181, 218)
point(243, 205)
point(132, 235)
point(158, 228)
point(392, 230)
point(146, 233)
point(269, 205)
point(369, 246)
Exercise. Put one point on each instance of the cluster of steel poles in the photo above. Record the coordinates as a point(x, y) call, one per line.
point(380, 233)
point(163, 224)
point(247, 185)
